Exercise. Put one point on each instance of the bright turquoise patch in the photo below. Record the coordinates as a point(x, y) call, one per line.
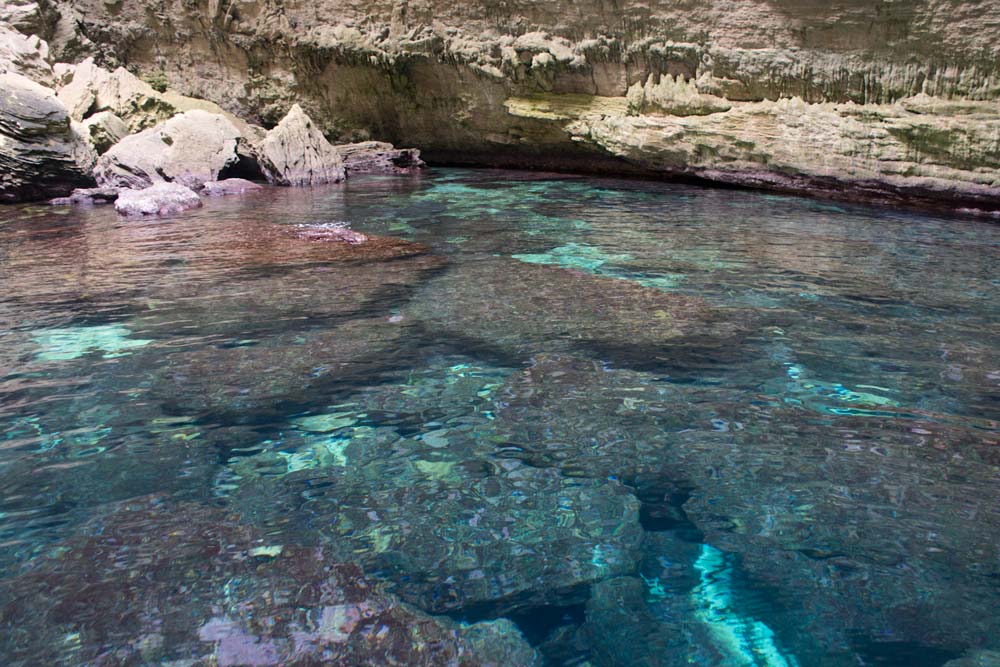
point(590, 259)
point(744, 640)
point(113, 340)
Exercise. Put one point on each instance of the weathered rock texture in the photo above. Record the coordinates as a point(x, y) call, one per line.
point(103, 130)
point(159, 199)
point(296, 153)
point(191, 148)
point(376, 157)
point(487, 82)
point(92, 89)
point(41, 154)
point(25, 55)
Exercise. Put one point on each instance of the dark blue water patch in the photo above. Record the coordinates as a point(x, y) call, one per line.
point(537, 623)
point(886, 653)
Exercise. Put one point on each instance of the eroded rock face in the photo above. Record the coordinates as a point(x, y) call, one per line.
point(158, 199)
point(296, 153)
point(376, 157)
point(153, 584)
point(22, 14)
point(444, 77)
point(791, 145)
point(25, 55)
point(191, 149)
point(41, 154)
point(92, 89)
point(104, 130)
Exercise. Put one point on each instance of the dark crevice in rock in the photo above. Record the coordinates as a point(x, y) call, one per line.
point(662, 506)
point(246, 167)
point(536, 623)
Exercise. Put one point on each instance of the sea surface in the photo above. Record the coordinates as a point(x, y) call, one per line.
point(647, 423)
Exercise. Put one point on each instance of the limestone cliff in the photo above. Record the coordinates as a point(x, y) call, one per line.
point(891, 97)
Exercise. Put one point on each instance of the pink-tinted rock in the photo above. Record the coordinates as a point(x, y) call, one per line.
point(333, 232)
point(191, 148)
point(159, 199)
point(152, 583)
point(88, 196)
point(229, 186)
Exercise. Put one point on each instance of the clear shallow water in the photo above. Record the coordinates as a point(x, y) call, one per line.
point(651, 424)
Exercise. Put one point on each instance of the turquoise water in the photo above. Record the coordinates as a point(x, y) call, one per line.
point(628, 423)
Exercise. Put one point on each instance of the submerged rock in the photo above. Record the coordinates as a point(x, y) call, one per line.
point(454, 525)
point(524, 308)
point(874, 568)
point(229, 186)
point(335, 232)
point(159, 199)
point(41, 154)
point(295, 152)
point(153, 583)
point(588, 420)
point(526, 538)
point(258, 365)
point(976, 658)
point(622, 631)
point(244, 381)
point(191, 149)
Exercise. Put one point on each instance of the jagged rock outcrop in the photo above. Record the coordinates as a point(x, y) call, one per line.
point(27, 55)
point(191, 148)
point(446, 77)
point(158, 199)
point(103, 130)
point(376, 157)
point(673, 96)
point(41, 154)
point(92, 89)
point(883, 150)
point(296, 153)
point(22, 14)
